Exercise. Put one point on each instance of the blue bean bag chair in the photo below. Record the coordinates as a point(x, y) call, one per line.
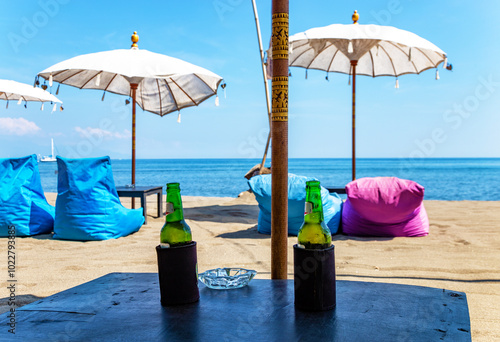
point(261, 187)
point(22, 201)
point(87, 205)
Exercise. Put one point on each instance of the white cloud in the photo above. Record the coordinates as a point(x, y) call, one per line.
point(17, 126)
point(126, 134)
point(102, 133)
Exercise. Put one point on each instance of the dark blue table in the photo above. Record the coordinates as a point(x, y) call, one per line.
point(126, 307)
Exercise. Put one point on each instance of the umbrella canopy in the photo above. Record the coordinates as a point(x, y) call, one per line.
point(12, 90)
point(370, 50)
point(157, 83)
point(164, 84)
point(379, 50)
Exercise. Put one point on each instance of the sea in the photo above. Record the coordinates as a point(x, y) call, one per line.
point(452, 179)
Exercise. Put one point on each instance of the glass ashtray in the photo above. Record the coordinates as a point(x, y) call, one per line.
point(226, 278)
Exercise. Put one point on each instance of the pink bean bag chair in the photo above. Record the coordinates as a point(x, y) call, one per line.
point(384, 206)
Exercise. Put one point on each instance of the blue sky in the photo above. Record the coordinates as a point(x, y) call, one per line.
point(456, 116)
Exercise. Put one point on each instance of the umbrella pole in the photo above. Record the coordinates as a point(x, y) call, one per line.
point(353, 64)
point(265, 151)
point(279, 130)
point(264, 75)
point(133, 88)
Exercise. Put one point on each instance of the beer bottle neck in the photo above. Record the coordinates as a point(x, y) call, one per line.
point(174, 206)
point(314, 206)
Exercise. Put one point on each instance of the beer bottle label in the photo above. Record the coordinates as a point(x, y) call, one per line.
point(170, 208)
point(308, 208)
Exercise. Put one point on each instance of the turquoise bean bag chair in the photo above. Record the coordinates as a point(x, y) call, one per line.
point(261, 187)
point(22, 201)
point(87, 205)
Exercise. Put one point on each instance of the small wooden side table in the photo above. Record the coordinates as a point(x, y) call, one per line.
point(142, 192)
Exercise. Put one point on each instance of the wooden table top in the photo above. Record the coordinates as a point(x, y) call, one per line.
point(126, 306)
point(138, 189)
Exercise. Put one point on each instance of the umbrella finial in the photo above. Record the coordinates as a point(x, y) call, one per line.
point(135, 39)
point(355, 17)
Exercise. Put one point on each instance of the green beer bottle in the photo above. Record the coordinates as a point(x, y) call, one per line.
point(175, 231)
point(314, 233)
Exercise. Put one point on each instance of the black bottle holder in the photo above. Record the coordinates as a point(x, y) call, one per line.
point(314, 278)
point(178, 274)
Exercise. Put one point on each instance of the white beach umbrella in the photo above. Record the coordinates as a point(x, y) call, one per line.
point(15, 91)
point(370, 50)
point(158, 83)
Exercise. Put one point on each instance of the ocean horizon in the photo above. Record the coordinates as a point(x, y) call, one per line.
point(443, 178)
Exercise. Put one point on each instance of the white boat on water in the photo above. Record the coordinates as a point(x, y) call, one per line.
point(52, 157)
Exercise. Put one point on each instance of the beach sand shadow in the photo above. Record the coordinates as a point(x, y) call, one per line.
point(342, 237)
point(250, 233)
point(240, 213)
point(43, 237)
point(20, 301)
point(51, 237)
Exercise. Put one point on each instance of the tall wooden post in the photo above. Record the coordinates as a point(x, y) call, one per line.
point(279, 130)
point(133, 88)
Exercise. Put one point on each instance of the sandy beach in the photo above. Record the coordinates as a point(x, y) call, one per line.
point(461, 253)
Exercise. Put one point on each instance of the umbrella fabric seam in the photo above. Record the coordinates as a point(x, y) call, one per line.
point(185, 92)
point(407, 55)
point(173, 97)
point(331, 61)
point(373, 63)
point(215, 92)
point(142, 98)
point(392, 62)
point(291, 62)
point(209, 87)
point(319, 53)
point(67, 78)
point(90, 79)
point(111, 81)
point(159, 92)
point(430, 60)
